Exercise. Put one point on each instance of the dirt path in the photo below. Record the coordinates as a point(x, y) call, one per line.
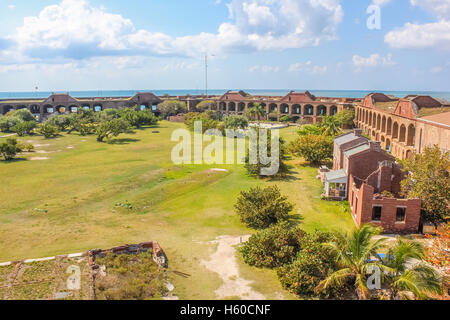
point(223, 262)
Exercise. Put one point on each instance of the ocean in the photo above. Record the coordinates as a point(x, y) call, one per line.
point(274, 92)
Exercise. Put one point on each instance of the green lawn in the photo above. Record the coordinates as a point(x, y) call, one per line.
point(182, 207)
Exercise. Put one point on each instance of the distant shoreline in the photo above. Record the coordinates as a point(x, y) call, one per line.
point(268, 92)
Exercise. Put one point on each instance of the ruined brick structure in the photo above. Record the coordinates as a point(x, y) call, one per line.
point(369, 178)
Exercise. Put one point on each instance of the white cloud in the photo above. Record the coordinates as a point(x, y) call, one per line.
point(421, 36)
point(11, 7)
point(439, 8)
point(264, 68)
point(74, 29)
point(372, 61)
point(307, 67)
point(436, 69)
point(380, 2)
point(434, 35)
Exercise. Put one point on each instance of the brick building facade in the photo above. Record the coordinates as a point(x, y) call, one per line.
point(369, 178)
point(404, 126)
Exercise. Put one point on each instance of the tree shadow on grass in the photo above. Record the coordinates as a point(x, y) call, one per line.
point(288, 176)
point(296, 219)
point(14, 160)
point(123, 141)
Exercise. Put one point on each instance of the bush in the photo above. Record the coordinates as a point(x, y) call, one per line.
point(22, 114)
point(48, 130)
point(273, 247)
point(9, 149)
point(255, 169)
point(236, 122)
point(138, 118)
point(260, 208)
point(313, 263)
point(207, 105)
point(24, 127)
point(313, 148)
point(171, 108)
point(204, 118)
point(112, 128)
point(60, 121)
point(285, 119)
point(346, 117)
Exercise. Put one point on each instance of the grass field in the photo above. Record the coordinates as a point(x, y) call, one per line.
point(68, 203)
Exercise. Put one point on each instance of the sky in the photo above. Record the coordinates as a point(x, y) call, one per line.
point(251, 44)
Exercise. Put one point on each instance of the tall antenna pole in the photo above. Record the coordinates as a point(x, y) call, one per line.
point(206, 73)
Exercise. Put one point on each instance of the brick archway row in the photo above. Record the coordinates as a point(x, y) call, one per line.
point(396, 134)
point(292, 109)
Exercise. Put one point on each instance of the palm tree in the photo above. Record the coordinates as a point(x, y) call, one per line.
point(330, 126)
point(257, 111)
point(354, 252)
point(406, 272)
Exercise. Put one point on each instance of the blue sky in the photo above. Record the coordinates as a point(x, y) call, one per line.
point(253, 44)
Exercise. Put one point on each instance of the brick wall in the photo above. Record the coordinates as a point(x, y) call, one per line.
point(363, 200)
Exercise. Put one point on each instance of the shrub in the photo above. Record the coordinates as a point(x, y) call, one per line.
point(60, 121)
point(236, 122)
point(48, 130)
point(24, 127)
point(171, 108)
point(204, 118)
point(285, 119)
point(206, 105)
point(272, 247)
point(112, 128)
point(346, 117)
point(313, 148)
point(313, 263)
point(255, 169)
point(9, 149)
point(260, 208)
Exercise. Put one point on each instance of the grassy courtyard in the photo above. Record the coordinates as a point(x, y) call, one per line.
point(73, 194)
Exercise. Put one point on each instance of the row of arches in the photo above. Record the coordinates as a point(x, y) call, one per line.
point(387, 125)
point(283, 108)
point(50, 109)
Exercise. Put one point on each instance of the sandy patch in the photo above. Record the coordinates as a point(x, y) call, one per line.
point(223, 262)
point(219, 170)
point(70, 147)
point(39, 158)
point(41, 145)
point(42, 151)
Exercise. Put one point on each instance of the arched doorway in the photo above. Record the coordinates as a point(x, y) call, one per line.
point(334, 111)
point(309, 110)
point(395, 131)
point(411, 135)
point(402, 133)
point(322, 111)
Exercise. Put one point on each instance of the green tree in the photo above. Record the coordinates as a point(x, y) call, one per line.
point(272, 247)
point(429, 180)
point(309, 129)
point(404, 276)
point(346, 117)
point(108, 129)
point(354, 252)
point(257, 112)
point(311, 265)
point(61, 121)
point(169, 108)
point(23, 128)
point(22, 114)
point(9, 149)
point(330, 126)
point(259, 208)
point(206, 105)
point(48, 130)
point(206, 120)
point(285, 119)
point(236, 122)
point(313, 148)
point(254, 169)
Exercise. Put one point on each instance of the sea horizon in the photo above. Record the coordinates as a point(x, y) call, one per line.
point(213, 92)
